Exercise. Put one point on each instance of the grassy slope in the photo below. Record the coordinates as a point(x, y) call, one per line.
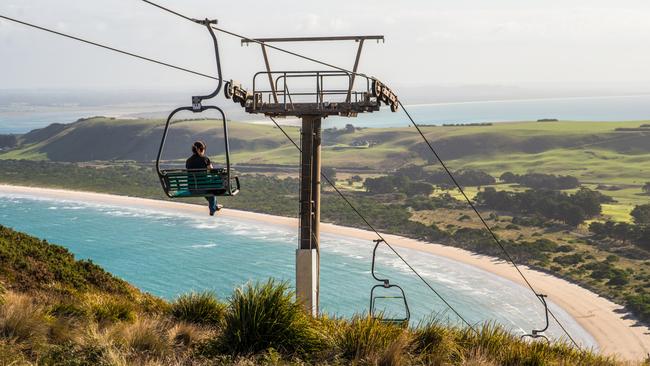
point(59, 311)
point(31, 265)
point(592, 151)
point(95, 139)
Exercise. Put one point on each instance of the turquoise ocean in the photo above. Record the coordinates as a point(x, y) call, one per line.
point(168, 254)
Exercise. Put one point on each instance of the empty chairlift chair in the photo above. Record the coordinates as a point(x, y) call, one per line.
point(399, 295)
point(179, 183)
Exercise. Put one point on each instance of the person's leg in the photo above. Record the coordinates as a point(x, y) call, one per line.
point(212, 204)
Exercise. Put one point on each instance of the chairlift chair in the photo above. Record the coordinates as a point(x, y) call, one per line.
point(184, 183)
point(385, 284)
point(539, 333)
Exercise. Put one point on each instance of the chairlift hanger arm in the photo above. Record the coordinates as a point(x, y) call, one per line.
point(542, 298)
point(374, 256)
point(196, 100)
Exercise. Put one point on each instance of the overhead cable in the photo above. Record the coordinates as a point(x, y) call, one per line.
point(108, 47)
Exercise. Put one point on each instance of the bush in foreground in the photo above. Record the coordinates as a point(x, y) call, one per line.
point(265, 315)
point(369, 339)
point(198, 308)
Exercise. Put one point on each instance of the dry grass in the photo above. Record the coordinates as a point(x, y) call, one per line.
point(364, 338)
point(185, 335)
point(263, 326)
point(146, 337)
point(21, 320)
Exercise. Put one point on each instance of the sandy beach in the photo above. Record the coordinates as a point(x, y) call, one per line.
point(614, 331)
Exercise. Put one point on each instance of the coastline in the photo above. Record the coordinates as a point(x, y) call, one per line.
point(604, 320)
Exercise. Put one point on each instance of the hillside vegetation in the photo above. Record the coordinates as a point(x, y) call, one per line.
point(378, 148)
point(55, 310)
point(542, 229)
point(570, 199)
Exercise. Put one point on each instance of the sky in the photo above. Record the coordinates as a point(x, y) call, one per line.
point(583, 45)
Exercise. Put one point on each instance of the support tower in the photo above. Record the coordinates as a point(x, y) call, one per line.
point(310, 96)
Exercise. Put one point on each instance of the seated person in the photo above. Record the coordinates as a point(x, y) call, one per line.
point(198, 160)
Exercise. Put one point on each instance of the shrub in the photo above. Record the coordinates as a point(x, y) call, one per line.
point(198, 308)
point(110, 310)
point(541, 181)
point(10, 354)
point(639, 304)
point(73, 355)
point(148, 336)
point(436, 343)
point(186, 335)
point(464, 218)
point(68, 310)
point(365, 338)
point(64, 330)
point(569, 259)
point(418, 188)
point(641, 214)
point(545, 245)
point(21, 320)
point(618, 277)
point(570, 209)
point(265, 315)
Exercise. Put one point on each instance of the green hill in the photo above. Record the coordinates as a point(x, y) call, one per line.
point(599, 154)
point(55, 310)
point(489, 146)
point(109, 139)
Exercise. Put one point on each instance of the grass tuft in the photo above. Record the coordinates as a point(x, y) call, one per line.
point(436, 344)
point(265, 315)
point(108, 309)
point(145, 336)
point(22, 321)
point(198, 308)
point(366, 338)
point(186, 335)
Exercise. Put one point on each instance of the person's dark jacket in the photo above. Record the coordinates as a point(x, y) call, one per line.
point(197, 162)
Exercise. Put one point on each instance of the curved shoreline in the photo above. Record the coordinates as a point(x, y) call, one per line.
point(613, 330)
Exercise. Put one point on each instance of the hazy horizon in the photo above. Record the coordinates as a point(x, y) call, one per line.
point(498, 49)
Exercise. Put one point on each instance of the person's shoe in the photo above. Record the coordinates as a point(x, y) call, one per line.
point(219, 207)
point(212, 213)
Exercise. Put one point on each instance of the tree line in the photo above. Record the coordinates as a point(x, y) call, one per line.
point(637, 233)
point(541, 181)
point(571, 209)
point(414, 180)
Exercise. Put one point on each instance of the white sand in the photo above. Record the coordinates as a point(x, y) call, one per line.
point(614, 331)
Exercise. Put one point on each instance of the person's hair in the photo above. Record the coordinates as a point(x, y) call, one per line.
point(198, 146)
